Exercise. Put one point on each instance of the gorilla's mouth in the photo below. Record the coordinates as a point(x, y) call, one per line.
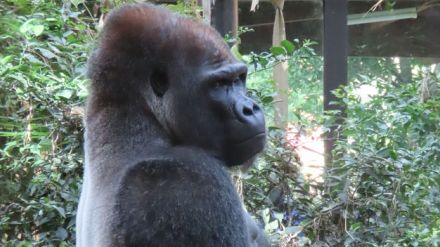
point(242, 151)
point(246, 141)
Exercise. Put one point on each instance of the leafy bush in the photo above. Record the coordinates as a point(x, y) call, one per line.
point(44, 49)
point(305, 80)
point(276, 190)
point(383, 186)
point(386, 181)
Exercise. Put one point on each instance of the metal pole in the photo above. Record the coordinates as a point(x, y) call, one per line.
point(225, 17)
point(335, 62)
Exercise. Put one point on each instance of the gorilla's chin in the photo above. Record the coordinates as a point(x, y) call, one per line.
point(240, 153)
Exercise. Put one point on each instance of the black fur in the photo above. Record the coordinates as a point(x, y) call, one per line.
point(166, 115)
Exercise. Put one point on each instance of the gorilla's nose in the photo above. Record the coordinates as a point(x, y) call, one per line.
point(247, 111)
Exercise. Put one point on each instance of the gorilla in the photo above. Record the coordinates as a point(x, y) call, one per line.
point(166, 117)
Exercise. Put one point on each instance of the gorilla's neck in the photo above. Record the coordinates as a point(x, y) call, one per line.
point(108, 130)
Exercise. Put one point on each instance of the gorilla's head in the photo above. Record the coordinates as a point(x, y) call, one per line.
point(182, 73)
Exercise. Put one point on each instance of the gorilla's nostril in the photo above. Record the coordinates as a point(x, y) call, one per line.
point(256, 108)
point(247, 111)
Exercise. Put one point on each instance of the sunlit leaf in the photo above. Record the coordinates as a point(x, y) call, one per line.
point(289, 46)
point(65, 93)
point(276, 51)
point(294, 230)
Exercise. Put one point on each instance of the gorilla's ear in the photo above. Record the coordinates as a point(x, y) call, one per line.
point(159, 82)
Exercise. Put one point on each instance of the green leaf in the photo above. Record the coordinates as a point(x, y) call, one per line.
point(25, 27)
point(263, 61)
point(265, 215)
point(45, 145)
point(276, 51)
point(30, 28)
point(289, 46)
point(60, 210)
point(46, 53)
point(267, 99)
point(278, 216)
point(32, 58)
point(61, 233)
point(272, 226)
point(393, 154)
point(294, 230)
point(6, 59)
point(38, 29)
point(65, 93)
point(24, 244)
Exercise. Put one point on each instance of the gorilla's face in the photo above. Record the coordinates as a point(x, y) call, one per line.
point(198, 94)
point(207, 106)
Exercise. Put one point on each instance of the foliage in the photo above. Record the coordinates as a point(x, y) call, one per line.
point(189, 8)
point(276, 191)
point(383, 186)
point(44, 48)
point(305, 80)
point(382, 190)
point(386, 179)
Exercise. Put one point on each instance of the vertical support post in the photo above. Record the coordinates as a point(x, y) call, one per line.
point(206, 6)
point(335, 62)
point(225, 17)
point(280, 70)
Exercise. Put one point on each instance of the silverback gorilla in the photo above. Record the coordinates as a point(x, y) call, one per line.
point(166, 116)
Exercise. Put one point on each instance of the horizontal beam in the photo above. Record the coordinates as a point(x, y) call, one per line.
point(380, 16)
point(357, 19)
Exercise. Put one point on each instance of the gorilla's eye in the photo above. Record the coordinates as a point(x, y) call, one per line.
point(240, 80)
point(222, 83)
point(159, 82)
point(242, 77)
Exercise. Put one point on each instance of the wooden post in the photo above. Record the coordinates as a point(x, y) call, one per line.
point(281, 70)
point(206, 6)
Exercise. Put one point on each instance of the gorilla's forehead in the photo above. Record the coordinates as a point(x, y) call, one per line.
point(202, 44)
point(173, 37)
